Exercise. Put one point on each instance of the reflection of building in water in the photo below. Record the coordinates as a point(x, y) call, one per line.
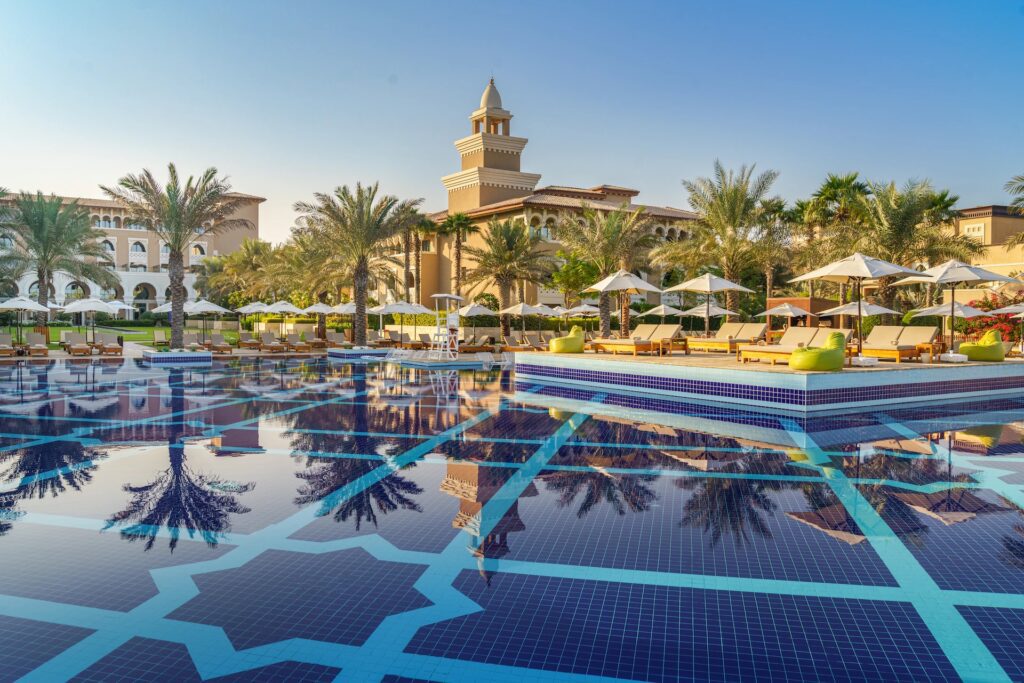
point(989, 439)
point(474, 485)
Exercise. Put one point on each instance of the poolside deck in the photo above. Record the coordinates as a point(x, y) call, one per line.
point(719, 377)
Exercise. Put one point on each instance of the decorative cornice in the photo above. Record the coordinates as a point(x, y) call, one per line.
point(491, 143)
point(491, 177)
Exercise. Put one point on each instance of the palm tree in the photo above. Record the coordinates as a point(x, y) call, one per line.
point(729, 226)
point(610, 240)
point(54, 236)
point(457, 226)
point(775, 246)
point(910, 226)
point(572, 277)
point(179, 214)
point(1015, 186)
point(838, 207)
point(358, 227)
point(508, 254)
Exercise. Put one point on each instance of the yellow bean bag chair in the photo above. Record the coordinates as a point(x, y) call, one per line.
point(828, 357)
point(988, 348)
point(571, 343)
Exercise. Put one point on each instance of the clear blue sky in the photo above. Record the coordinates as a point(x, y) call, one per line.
point(288, 98)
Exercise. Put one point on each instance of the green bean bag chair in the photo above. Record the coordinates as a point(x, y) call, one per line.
point(828, 357)
point(988, 348)
point(572, 343)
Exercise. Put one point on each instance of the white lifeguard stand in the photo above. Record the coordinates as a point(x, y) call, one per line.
point(445, 343)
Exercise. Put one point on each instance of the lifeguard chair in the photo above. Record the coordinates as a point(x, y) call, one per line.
point(445, 342)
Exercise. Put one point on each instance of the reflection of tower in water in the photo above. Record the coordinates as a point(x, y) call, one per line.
point(474, 485)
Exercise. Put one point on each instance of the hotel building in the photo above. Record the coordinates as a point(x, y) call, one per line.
point(139, 257)
point(491, 184)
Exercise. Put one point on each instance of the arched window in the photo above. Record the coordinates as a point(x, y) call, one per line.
point(138, 248)
point(108, 246)
point(165, 249)
point(74, 290)
point(197, 250)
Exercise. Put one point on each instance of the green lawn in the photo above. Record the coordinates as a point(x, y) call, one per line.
point(140, 335)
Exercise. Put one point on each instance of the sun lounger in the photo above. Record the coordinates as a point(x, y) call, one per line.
point(6, 347)
point(896, 343)
point(794, 338)
point(245, 341)
point(108, 345)
point(729, 337)
point(160, 339)
point(336, 341)
point(293, 343)
point(36, 344)
point(533, 340)
point(70, 338)
point(643, 332)
point(191, 342)
point(218, 345)
point(425, 340)
point(269, 344)
point(484, 343)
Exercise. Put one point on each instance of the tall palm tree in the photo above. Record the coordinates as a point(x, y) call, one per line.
point(179, 213)
point(1015, 186)
point(838, 206)
point(572, 277)
point(458, 227)
point(53, 236)
point(775, 245)
point(358, 227)
point(729, 226)
point(508, 254)
point(610, 240)
point(910, 226)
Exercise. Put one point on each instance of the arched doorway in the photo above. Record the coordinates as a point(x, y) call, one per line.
point(143, 297)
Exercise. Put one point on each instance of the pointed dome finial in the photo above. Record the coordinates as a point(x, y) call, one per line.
point(490, 99)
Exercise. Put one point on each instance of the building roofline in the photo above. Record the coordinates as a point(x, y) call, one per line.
point(989, 210)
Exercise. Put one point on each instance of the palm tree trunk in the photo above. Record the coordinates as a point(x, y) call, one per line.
point(406, 248)
point(624, 314)
point(769, 283)
point(176, 274)
point(418, 258)
point(42, 277)
point(522, 291)
point(360, 282)
point(504, 295)
point(604, 314)
point(321, 319)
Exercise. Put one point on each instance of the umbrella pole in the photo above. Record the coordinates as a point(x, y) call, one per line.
point(952, 314)
point(860, 318)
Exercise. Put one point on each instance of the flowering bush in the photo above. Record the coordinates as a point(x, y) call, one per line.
point(1007, 325)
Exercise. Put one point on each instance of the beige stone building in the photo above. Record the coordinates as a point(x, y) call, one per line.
point(492, 184)
point(992, 226)
point(140, 257)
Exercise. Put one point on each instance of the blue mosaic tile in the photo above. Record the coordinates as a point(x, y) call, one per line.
point(1002, 632)
point(337, 597)
point(657, 633)
point(25, 644)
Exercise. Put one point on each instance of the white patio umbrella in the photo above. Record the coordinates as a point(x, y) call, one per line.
point(348, 308)
point(22, 303)
point(707, 310)
point(203, 307)
point(90, 305)
point(952, 273)
point(855, 269)
point(784, 311)
point(522, 310)
point(254, 308)
point(403, 308)
point(120, 305)
point(662, 310)
point(623, 282)
point(284, 307)
point(318, 309)
point(581, 311)
point(858, 308)
point(473, 310)
point(955, 310)
point(708, 284)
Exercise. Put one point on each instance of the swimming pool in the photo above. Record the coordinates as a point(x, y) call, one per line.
point(293, 519)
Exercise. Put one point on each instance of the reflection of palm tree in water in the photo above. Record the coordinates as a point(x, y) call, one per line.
point(623, 493)
point(1013, 548)
point(46, 470)
point(734, 506)
point(179, 498)
point(325, 475)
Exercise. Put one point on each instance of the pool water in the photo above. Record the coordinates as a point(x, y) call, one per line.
point(304, 520)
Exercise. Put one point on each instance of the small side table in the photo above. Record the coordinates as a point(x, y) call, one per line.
point(933, 349)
